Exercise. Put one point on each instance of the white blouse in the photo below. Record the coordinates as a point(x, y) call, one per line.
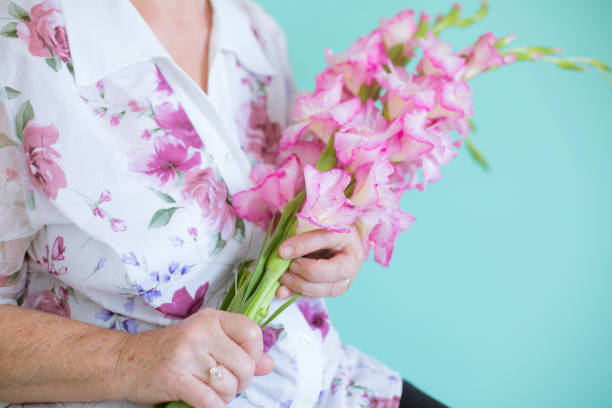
point(116, 178)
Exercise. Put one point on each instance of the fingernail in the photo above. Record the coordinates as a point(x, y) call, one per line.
point(286, 252)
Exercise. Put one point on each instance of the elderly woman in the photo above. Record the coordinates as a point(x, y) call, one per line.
point(125, 128)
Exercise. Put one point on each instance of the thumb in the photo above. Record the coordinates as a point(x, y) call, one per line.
point(264, 366)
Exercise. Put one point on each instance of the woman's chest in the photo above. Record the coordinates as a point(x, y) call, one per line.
point(148, 166)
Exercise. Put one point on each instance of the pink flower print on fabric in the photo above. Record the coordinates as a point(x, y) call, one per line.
point(315, 314)
point(183, 305)
point(45, 173)
point(211, 196)
point(170, 157)
point(45, 33)
point(11, 174)
point(116, 224)
point(46, 301)
point(162, 85)
point(175, 122)
point(54, 255)
point(376, 402)
point(262, 134)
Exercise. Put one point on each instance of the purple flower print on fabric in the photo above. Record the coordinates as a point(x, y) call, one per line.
point(183, 305)
point(315, 314)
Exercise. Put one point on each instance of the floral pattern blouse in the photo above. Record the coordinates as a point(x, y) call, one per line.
point(116, 180)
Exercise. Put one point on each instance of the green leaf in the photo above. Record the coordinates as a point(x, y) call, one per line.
point(220, 244)
point(15, 11)
point(10, 93)
point(54, 62)
point(280, 310)
point(565, 64)
point(9, 30)
point(165, 197)
point(2, 250)
point(395, 53)
point(24, 115)
point(328, 159)
point(70, 68)
point(476, 154)
point(5, 141)
point(30, 200)
point(162, 217)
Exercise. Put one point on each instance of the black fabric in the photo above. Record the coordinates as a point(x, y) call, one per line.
point(412, 397)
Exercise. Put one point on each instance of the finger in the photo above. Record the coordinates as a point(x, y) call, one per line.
point(265, 365)
point(235, 359)
point(314, 289)
point(197, 394)
point(226, 386)
point(244, 331)
point(340, 267)
point(311, 241)
point(284, 292)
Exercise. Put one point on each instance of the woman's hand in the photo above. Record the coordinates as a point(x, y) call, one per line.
point(325, 263)
point(173, 363)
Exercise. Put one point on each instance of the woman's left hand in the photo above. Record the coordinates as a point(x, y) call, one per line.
point(325, 263)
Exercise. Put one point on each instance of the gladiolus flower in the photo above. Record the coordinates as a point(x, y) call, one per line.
point(326, 205)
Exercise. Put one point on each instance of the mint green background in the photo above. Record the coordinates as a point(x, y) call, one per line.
point(500, 295)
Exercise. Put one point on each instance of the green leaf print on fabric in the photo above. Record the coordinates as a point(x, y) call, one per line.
point(24, 115)
point(15, 11)
point(9, 93)
point(162, 217)
point(9, 30)
point(5, 141)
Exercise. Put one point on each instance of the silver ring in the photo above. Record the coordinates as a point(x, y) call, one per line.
point(214, 373)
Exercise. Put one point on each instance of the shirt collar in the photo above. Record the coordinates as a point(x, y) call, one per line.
point(106, 36)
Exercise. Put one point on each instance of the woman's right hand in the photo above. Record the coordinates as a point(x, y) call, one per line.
point(173, 363)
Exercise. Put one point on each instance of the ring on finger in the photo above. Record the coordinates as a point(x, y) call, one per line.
point(214, 373)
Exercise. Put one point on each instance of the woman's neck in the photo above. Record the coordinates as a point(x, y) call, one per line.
point(184, 29)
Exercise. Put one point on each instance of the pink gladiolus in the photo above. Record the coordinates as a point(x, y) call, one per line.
point(326, 206)
point(169, 157)
point(211, 195)
point(482, 56)
point(399, 30)
point(262, 202)
point(453, 105)
point(44, 32)
point(367, 131)
point(438, 58)
point(307, 152)
point(98, 212)
point(360, 62)
point(412, 142)
point(45, 173)
point(405, 92)
point(321, 112)
point(372, 183)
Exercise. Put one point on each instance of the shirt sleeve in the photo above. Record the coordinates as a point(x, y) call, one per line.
point(16, 233)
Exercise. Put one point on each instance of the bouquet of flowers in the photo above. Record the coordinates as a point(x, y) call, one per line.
point(371, 130)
